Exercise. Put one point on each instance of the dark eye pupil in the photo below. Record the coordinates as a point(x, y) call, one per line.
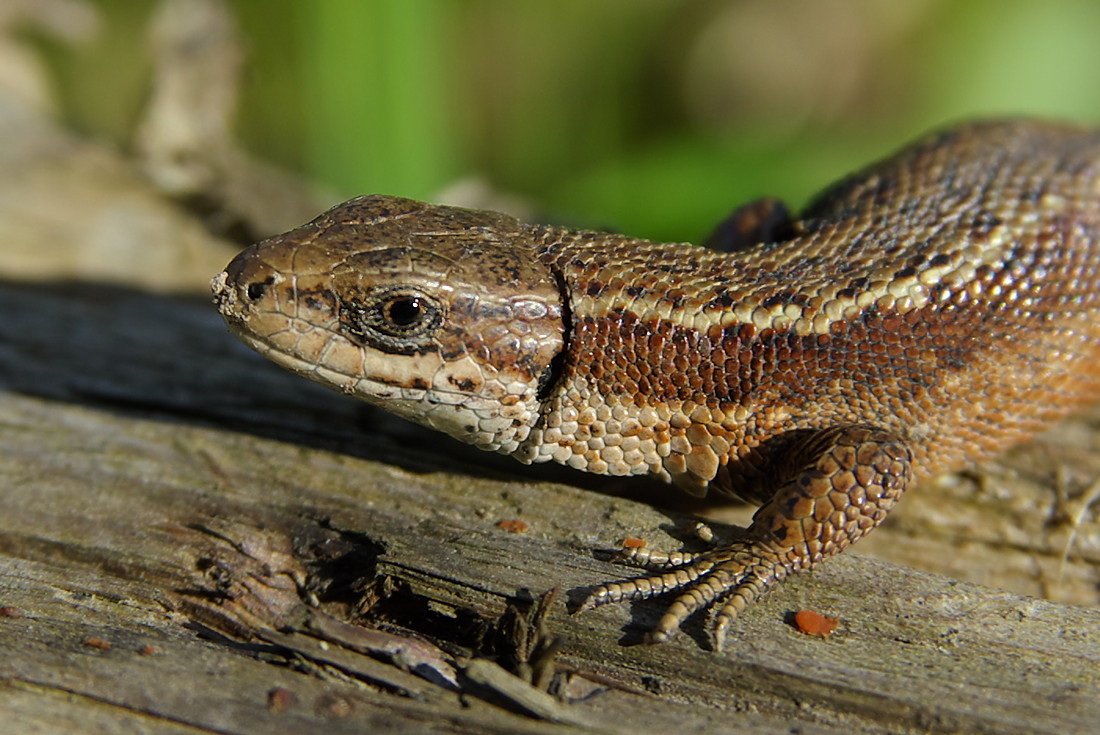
point(404, 312)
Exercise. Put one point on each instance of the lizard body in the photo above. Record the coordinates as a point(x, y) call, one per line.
point(921, 315)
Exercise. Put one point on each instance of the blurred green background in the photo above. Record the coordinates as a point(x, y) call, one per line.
point(653, 117)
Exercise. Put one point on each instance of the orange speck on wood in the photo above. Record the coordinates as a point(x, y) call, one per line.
point(813, 623)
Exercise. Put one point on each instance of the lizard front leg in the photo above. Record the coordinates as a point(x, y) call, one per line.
point(845, 480)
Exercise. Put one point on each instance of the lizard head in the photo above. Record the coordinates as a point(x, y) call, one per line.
point(441, 315)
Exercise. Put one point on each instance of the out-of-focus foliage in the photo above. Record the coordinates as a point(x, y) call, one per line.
point(654, 117)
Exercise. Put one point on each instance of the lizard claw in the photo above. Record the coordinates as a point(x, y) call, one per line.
point(732, 575)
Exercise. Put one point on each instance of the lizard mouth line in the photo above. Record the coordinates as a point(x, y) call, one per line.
point(363, 387)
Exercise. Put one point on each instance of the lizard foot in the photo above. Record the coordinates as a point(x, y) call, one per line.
point(727, 579)
point(847, 479)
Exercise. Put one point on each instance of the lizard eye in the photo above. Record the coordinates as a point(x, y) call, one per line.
point(404, 312)
point(397, 319)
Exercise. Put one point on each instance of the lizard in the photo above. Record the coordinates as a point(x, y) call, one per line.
point(922, 314)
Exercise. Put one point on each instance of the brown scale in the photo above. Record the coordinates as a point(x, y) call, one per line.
point(923, 314)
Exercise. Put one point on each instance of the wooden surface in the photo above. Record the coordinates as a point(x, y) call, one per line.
point(187, 532)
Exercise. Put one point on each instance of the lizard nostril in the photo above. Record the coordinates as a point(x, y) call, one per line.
point(256, 289)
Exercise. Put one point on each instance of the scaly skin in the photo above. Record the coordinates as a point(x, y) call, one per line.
point(922, 315)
